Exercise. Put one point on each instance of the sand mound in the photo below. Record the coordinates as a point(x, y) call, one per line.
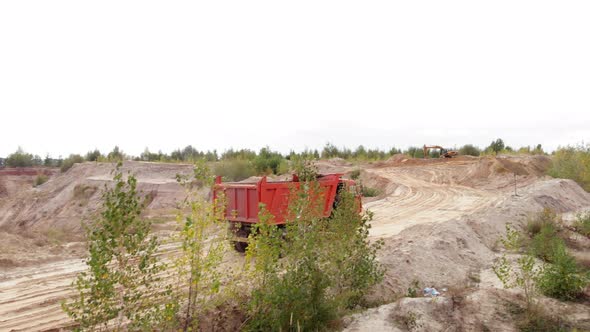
point(70, 198)
point(445, 254)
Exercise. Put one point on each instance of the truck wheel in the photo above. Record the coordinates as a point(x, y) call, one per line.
point(243, 233)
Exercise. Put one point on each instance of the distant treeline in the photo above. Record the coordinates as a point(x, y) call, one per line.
point(265, 158)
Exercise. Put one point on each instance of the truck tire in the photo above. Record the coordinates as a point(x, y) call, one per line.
point(243, 232)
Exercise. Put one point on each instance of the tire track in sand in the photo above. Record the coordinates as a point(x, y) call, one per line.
point(417, 201)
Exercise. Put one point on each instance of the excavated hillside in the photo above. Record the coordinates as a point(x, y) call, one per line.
point(441, 222)
point(45, 223)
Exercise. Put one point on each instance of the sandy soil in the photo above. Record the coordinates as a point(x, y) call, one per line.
point(439, 220)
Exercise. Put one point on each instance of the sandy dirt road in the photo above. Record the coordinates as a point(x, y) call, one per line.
point(417, 198)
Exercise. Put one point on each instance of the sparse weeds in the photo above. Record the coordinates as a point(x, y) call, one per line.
point(572, 162)
point(560, 277)
point(546, 218)
point(40, 179)
point(582, 223)
point(413, 289)
point(369, 191)
point(410, 321)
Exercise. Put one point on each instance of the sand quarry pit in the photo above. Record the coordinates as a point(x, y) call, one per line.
point(439, 219)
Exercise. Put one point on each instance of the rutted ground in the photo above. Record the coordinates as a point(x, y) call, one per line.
point(440, 225)
point(439, 220)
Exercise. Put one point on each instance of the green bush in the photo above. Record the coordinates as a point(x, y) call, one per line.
point(572, 163)
point(582, 223)
point(70, 161)
point(415, 152)
point(545, 217)
point(469, 150)
point(327, 265)
point(544, 229)
point(305, 169)
point(93, 155)
point(369, 191)
point(19, 159)
point(562, 279)
point(123, 279)
point(115, 155)
point(355, 174)
point(544, 243)
point(40, 179)
point(269, 162)
point(235, 170)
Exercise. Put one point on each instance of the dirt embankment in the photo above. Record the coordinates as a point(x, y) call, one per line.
point(67, 198)
point(45, 223)
point(441, 227)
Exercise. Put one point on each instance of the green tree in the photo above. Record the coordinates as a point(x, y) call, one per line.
point(199, 275)
point(115, 155)
point(563, 279)
point(269, 162)
point(496, 146)
point(93, 155)
point(525, 275)
point(70, 161)
point(469, 150)
point(329, 151)
point(19, 159)
point(572, 162)
point(121, 283)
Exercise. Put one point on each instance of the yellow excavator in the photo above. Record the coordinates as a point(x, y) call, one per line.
point(444, 153)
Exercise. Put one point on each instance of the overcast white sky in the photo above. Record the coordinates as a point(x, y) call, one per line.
point(75, 75)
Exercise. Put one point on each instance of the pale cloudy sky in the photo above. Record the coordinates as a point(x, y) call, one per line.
point(75, 75)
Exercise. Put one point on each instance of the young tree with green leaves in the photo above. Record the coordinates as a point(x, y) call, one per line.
point(120, 289)
point(203, 244)
point(314, 268)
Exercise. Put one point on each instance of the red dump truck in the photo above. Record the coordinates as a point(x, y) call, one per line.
point(243, 199)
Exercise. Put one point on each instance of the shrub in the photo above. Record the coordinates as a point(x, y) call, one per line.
point(198, 267)
point(543, 229)
point(123, 274)
point(414, 289)
point(369, 191)
point(19, 159)
point(582, 224)
point(326, 265)
point(305, 169)
point(524, 275)
point(469, 150)
point(70, 161)
point(562, 279)
point(355, 174)
point(538, 320)
point(544, 243)
point(269, 162)
point(544, 218)
point(572, 163)
point(415, 152)
point(40, 179)
point(93, 155)
point(115, 155)
point(235, 170)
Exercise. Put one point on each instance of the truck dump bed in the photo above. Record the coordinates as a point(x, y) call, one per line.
point(243, 199)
